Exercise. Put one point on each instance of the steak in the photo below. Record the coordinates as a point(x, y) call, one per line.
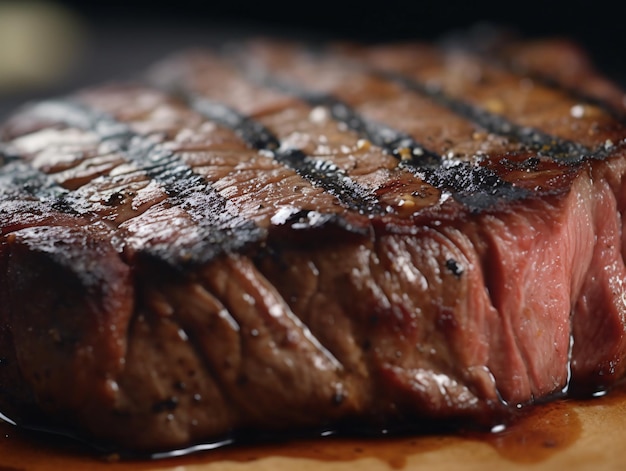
point(270, 237)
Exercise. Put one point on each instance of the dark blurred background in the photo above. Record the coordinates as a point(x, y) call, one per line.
point(51, 47)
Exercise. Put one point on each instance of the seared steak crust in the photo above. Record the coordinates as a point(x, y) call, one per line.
point(271, 238)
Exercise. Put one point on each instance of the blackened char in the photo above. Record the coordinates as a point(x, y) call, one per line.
point(268, 238)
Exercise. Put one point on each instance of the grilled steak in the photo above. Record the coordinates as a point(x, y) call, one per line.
point(270, 237)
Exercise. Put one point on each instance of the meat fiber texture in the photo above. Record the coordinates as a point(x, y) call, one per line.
point(270, 238)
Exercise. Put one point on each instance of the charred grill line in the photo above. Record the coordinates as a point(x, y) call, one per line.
point(578, 95)
point(252, 132)
point(18, 180)
point(475, 186)
point(218, 229)
point(400, 144)
point(544, 144)
point(320, 173)
point(21, 182)
point(485, 45)
point(396, 142)
point(553, 83)
point(393, 141)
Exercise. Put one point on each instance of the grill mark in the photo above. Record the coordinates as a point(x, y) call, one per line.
point(393, 141)
point(475, 186)
point(554, 84)
point(21, 182)
point(320, 173)
point(219, 230)
point(561, 150)
point(398, 143)
point(543, 144)
point(17, 178)
point(484, 44)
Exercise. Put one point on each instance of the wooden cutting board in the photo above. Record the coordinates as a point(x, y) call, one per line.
point(567, 435)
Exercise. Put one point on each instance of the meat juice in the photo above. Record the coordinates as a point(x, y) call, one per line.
point(539, 434)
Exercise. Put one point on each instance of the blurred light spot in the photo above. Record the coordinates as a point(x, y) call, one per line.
point(39, 44)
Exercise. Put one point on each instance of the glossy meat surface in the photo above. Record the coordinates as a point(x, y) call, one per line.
point(269, 237)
